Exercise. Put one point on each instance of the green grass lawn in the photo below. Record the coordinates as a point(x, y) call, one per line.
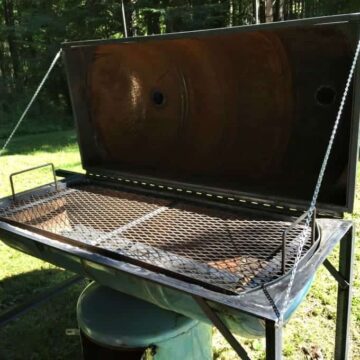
point(40, 334)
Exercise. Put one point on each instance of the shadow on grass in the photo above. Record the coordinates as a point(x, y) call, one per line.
point(47, 142)
point(39, 333)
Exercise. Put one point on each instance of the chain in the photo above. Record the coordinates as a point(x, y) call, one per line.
point(303, 235)
point(271, 301)
point(56, 58)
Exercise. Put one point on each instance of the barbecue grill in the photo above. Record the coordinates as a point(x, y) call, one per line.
point(201, 153)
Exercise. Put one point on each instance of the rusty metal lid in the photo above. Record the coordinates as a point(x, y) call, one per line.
point(239, 110)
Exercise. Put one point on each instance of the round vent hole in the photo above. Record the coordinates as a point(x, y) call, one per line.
point(158, 98)
point(325, 95)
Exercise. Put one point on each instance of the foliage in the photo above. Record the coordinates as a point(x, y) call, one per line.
point(32, 31)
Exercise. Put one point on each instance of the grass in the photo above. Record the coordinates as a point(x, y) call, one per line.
point(40, 334)
point(45, 115)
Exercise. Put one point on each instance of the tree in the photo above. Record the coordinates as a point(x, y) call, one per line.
point(32, 31)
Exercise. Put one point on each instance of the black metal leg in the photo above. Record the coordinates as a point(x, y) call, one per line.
point(225, 332)
point(346, 260)
point(336, 274)
point(273, 340)
point(37, 300)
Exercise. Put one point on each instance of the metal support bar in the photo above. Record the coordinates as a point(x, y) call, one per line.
point(313, 227)
point(124, 18)
point(273, 335)
point(225, 332)
point(337, 276)
point(346, 260)
point(37, 300)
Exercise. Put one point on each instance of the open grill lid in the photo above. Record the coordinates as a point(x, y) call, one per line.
point(245, 110)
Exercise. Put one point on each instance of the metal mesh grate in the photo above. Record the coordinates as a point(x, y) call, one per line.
point(231, 252)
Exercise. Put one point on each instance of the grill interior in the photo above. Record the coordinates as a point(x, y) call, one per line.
point(228, 251)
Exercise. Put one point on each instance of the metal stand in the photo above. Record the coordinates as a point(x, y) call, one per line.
point(38, 299)
point(225, 332)
point(344, 278)
point(273, 336)
point(273, 331)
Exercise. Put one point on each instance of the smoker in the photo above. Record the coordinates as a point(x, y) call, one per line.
point(201, 151)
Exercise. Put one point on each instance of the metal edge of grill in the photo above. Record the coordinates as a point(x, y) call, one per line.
point(151, 234)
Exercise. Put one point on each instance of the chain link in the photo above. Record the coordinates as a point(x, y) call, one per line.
point(303, 235)
point(271, 301)
point(56, 58)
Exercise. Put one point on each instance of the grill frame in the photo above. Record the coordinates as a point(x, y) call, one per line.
point(228, 211)
point(252, 302)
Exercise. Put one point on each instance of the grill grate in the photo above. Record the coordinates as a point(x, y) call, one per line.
point(229, 251)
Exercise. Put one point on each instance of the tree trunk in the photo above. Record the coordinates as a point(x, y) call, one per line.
point(152, 17)
point(231, 13)
point(4, 88)
point(279, 10)
point(10, 23)
point(3, 72)
point(256, 11)
point(130, 15)
point(268, 11)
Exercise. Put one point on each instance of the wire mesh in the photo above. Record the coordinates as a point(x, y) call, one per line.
point(231, 251)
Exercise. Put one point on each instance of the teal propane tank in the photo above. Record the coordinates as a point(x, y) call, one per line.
point(115, 325)
point(174, 300)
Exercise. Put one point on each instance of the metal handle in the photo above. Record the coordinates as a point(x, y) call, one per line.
point(30, 169)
